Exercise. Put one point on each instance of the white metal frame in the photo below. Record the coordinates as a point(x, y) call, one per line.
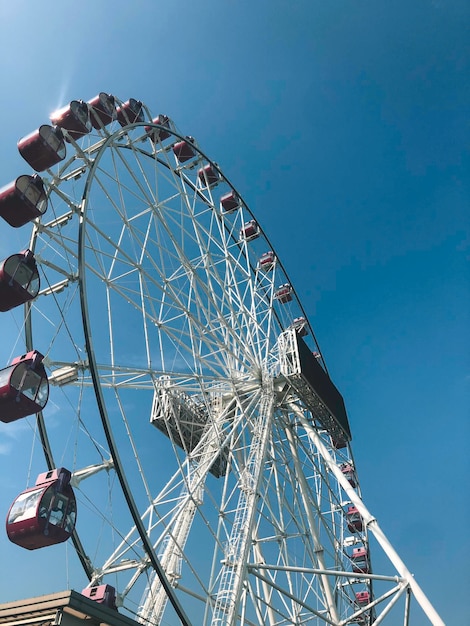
point(146, 280)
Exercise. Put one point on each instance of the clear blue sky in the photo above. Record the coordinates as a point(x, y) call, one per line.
point(344, 125)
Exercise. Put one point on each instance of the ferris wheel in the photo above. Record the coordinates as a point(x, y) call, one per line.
point(199, 458)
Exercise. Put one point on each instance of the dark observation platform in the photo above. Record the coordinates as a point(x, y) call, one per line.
point(185, 420)
point(313, 385)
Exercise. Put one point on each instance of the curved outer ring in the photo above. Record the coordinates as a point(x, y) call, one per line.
point(118, 466)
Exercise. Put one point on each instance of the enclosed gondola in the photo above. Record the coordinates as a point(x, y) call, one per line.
point(102, 594)
point(102, 110)
point(362, 598)
point(183, 150)
point(74, 118)
point(24, 387)
point(284, 293)
point(159, 134)
point(229, 202)
point(209, 175)
point(43, 148)
point(250, 230)
point(45, 514)
point(266, 262)
point(19, 280)
point(300, 325)
point(360, 560)
point(130, 112)
point(355, 523)
point(23, 200)
point(348, 472)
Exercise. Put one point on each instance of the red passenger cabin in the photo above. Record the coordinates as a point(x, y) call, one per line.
point(102, 110)
point(43, 148)
point(360, 560)
point(74, 118)
point(184, 150)
point(355, 523)
point(45, 514)
point(348, 472)
point(250, 230)
point(159, 134)
point(130, 112)
point(284, 293)
point(101, 594)
point(24, 388)
point(19, 280)
point(208, 175)
point(23, 200)
point(266, 261)
point(362, 598)
point(300, 325)
point(229, 201)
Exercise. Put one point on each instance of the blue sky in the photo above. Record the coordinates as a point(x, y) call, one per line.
point(344, 125)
